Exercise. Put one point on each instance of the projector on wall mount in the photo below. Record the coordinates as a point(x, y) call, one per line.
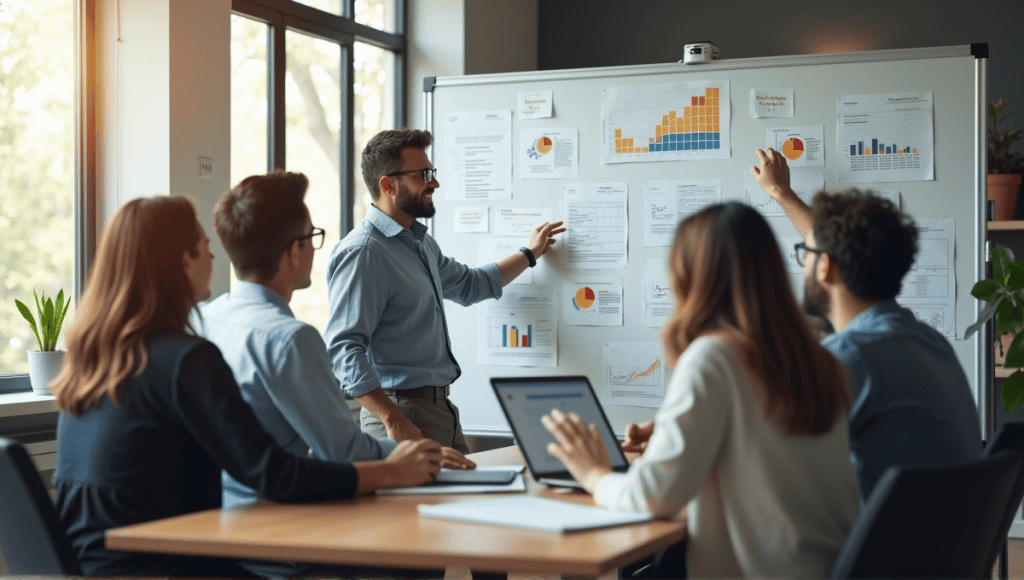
point(699, 52)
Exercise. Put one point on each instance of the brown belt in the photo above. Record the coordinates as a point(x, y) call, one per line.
point(434, 393)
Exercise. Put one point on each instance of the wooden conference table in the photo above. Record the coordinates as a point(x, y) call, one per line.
point(387, 531)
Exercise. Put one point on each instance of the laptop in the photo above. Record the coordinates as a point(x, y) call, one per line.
point(526, 399)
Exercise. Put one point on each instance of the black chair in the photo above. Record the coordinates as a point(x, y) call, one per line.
point(32, 540)
point(931, 522)
point(1009, 437)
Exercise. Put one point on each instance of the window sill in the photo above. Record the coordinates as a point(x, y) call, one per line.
point(26, 403)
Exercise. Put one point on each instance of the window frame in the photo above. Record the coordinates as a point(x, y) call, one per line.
point(283, 15)
point(85, 162)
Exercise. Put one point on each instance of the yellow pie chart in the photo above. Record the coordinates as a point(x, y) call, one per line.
point(544, 145)
point(793, 148)
point(585, 297)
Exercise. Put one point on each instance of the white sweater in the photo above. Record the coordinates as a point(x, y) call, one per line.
point(761, 503)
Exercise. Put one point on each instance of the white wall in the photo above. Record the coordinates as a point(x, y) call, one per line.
point(164, 100)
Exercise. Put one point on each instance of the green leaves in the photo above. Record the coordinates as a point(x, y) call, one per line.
point(1004, 295)
point(51, 318)
point(1013, 392)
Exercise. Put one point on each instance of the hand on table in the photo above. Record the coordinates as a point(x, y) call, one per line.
point(579, 447)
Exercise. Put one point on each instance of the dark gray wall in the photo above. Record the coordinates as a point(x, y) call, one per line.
point(579, 34)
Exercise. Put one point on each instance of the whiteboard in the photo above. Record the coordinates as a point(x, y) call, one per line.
point(953, 75)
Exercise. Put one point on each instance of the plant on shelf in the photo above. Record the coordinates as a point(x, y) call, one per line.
point(1004, 166)
point(1004, 293)
point(51, 318)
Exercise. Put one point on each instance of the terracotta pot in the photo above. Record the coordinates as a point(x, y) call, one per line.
point(1006, 339)
point(1002, 189)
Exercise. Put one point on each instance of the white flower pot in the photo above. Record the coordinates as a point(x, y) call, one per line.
point(43, 367)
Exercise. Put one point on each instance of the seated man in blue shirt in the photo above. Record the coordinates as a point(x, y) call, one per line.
point(387, 332)
point(912, 403)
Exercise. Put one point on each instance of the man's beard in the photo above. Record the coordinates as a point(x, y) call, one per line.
point(816, 300)
point(415, 205)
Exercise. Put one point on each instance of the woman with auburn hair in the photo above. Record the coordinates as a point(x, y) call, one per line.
point(752, 433)
point(151, 414)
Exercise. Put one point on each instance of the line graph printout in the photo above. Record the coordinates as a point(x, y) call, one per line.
point(658, 300)
point(634, 374)
point(597, 225)
point(886, 137)
point(668, 202)
point(667, 122)
point(519, 329)
point(805, 185)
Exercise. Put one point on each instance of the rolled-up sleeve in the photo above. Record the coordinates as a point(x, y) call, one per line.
point(357, 295)
point(464, 285)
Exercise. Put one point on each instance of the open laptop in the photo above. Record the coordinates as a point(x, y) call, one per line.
point(526, 399)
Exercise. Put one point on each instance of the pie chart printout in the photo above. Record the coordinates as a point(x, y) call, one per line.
point(544, 145)
point(584, 298)
point(793, 148)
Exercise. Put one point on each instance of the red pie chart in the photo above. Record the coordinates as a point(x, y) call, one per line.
point(793, 148)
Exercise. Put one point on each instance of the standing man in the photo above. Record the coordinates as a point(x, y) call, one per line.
point(387, 333)
point(912, 404)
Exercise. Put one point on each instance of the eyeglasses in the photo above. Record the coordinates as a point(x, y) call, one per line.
point(800, 252)
point(428, 174)
point(316, 239)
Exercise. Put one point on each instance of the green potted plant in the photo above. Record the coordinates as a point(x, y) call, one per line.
point(1004, 166)
point(44, 364)
point(1004, 293)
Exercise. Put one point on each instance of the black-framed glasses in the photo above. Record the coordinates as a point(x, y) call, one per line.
point(428, 174)
point(316, 239)
point(800, 252)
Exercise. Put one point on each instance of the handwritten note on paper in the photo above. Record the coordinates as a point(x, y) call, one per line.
point(771, 103)
point(534, 104)
point(471, 219)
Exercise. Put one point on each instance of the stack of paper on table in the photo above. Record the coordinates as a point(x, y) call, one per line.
point(516, 485)
point(534, 513)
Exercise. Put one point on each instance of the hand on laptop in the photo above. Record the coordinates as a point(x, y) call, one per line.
point(579, 447)
point(453, 459)
point(415, 462)
point(637, 436)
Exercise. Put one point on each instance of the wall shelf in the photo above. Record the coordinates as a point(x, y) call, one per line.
point(1006, 225)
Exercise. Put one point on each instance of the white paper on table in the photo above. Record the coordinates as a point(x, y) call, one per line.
point(929, 288)
point(786, 246)
point(597, 225)
point(549, 153)
point(517, 484)
point(634, 374)
point(494, 249)
point(479, 155)
point(887, 137)
point(801, 146)
point(520, 221)
point(535, 104)
point(666, 203)
point(771, 103)
point(471, 219)
point(592, 301)
point(521, 312)
point(534, 513)
point(658, 300)
point(805, 185)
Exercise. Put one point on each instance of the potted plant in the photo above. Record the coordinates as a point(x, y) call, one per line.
point(1004, 166)
point(44, 364)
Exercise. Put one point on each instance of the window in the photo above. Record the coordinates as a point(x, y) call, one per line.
point(311, 82)
point(44, 202)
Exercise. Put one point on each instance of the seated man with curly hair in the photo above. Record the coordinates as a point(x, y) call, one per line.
point(912, 404)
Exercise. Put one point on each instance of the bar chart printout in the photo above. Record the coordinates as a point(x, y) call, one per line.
point(886, 137)
point(634, 374)
point(519, 329)
point(666, 122)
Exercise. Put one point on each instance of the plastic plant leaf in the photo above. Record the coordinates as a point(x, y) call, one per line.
point(986, 290)
point(1012, 394)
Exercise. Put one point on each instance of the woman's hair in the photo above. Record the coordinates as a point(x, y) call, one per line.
point(728, 276)
point(137, 288)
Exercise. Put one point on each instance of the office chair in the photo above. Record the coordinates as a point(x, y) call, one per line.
point(931, 522)
point(32, 540)
point(1009, 437)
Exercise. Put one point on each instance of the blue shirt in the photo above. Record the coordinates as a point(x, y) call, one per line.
point(387, 327)
point(282, 370)
point(912, 403)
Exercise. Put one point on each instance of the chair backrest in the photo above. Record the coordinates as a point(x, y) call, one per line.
point(931, 522)
point(1009, 437)
point(32, 540)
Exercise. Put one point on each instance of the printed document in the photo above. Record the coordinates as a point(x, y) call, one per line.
point(597, 225)
point(519, 329)
point(668, 202)
point(929, 288)
point(479, 160)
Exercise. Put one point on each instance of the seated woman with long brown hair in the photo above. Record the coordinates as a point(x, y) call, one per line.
point(150, 414)
point(752, 433)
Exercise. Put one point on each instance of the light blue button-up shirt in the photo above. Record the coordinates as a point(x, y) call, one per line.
point(282, 369)
point(387, 327)
point(912, 403)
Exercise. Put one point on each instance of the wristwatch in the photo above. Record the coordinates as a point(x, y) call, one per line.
point(529, 256)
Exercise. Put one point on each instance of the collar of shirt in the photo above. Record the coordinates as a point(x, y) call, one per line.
point(390, 228)
point(866, 319)
point(252, 291)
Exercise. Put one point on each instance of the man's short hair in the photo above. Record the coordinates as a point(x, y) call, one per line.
point(383, 154)
point(257, 220)
point(872, 243)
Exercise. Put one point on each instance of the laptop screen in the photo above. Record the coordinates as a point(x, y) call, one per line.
point(526, 399)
